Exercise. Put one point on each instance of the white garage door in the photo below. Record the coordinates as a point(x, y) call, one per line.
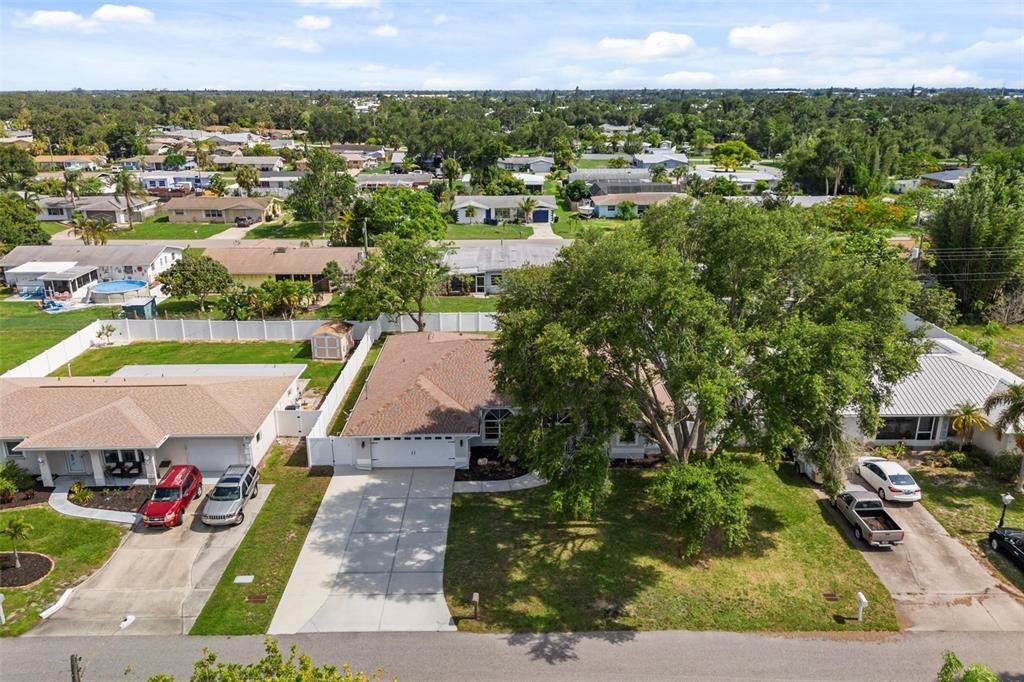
point(213, 455)
point(413, 453)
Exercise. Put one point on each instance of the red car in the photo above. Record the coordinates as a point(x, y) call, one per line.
point(180, 485)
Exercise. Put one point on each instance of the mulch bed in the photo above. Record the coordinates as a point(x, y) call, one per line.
point(496, 468)
point(119, 499)
point(26, 498)
point(34, 567)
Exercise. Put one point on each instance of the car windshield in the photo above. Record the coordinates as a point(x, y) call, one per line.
point(225, 492)
point(166, 494)
point(901, 479)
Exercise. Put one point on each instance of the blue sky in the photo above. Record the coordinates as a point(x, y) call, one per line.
point(425, 44)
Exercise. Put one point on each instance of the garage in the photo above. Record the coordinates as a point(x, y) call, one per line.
point(541, 216)
point(213, 455)
point(413, 451)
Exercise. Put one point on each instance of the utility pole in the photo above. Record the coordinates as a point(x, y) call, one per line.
point(366, 240)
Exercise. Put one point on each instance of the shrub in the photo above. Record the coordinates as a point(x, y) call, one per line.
point(7, 491)
point(958, 459)
point(79, 494)
point(21, 479)
point(1006, 465)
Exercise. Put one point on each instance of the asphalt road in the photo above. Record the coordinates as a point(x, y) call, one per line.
point(462, 656)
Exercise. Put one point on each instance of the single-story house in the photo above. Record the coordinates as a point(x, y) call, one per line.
point(609, 130)
point(502, 208)
point(243, 138)
point(657, 157)
point(203, 209)
point(278, 184)
point(429, 399)
point(951, 373)
point(375, 151)
point(109, 207)
point(70, 161)
point(19, 142)
point(746, 179)
point(596, 156)
point(157, 182)
point(534, 183)
point(81, 426)
point(527, 164)
point(398, 161)
point(589, 175)
point(151, 162)
point(601, 187)
point(947, 179)
point(74, 269)
point(260, 163)
point(607, 205)
point(251, 265)
point(284, 143)
point(373, 181)
point(478, 267)
point(357, 161)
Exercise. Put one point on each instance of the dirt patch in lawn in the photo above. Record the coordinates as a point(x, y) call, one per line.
point(34, 567)
point(119, 499)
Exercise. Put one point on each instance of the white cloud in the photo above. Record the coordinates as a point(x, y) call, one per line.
point(385, 31)
point(657, 45)
point(299, 44)
point(993, 49)
point(795, 37)
point(339, 4)
point(686, 79)
point(310, 22)
point(64, 20)
point(452, 83)
point(439, 19)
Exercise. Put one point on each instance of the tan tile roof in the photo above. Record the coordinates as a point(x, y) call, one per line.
point(429, 382)
point(129, 412)
point(203, 203)
point(245, 260)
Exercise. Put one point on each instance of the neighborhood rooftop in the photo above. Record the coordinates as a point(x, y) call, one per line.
point(498, 256)
point(217, 203)
point(502, 201)
point(85, 255)
point(285, 260)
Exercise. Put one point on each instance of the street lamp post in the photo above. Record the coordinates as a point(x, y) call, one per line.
point(1007, 498)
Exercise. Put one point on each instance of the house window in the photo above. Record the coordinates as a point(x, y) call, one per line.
point(504, 214)
point(9, 445)
point(902, 428)
point(55, 211)
point(925, 428)
point(479, 284)
point(213, 213)
point(179, 211)
point(492, 423)
point(496, 280)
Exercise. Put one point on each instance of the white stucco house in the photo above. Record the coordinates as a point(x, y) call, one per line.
point(491, 210)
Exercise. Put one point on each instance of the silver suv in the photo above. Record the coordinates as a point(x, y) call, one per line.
point(224, 503)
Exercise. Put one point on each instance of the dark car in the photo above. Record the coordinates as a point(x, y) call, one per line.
point(1010, 543)
point(245, 221)
point(180, 485)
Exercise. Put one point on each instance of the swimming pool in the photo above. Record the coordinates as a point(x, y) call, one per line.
point(121, 286)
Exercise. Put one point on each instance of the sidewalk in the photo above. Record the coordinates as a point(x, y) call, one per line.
point(62, 505)
point(522, 483)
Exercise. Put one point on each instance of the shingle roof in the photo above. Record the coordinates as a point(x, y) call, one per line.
point(245, 260)
point(86, 255)
point(525, 160)
point(503, 201)
point(247, 160)
point(638, 198)
point(121, 412)
point(426, 383)
point(217, 203)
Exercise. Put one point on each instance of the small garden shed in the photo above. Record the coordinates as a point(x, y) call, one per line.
point(332, 341)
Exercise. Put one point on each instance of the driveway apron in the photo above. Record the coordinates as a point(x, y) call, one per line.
point(374, 556)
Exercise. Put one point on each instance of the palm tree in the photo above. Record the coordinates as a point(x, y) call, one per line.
point(626, 210)
point(127, 185)
point(1010, 419)
point(407, 164)
point(17, 529)
point(965, 419)
point(617, 162)
point(79, 223)
point(659, 174)
point(527, 206)
point(72, 186)
point(452, 171)
point(202, 153)
point(247, 178)
point(678, 173)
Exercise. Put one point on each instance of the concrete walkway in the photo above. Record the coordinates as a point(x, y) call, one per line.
point(61, 504)
point(544, 231)
point(374, 556)
point(525, 482)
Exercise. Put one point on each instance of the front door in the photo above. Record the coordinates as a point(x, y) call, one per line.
point(480, 284)
point(76, 463)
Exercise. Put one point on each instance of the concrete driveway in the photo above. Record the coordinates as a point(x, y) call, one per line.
point(163, 577)
point(936, 582)
point(374, 556)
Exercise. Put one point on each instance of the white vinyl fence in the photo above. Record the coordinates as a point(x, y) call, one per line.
point(442, 322)
point(61, 354)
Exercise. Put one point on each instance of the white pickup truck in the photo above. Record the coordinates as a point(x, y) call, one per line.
point(866, 513)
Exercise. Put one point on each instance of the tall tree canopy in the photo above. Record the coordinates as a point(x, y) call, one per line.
point(705, 324)
point(397, 210)
point(324, 192)
point(18, 223)
point(196, 275)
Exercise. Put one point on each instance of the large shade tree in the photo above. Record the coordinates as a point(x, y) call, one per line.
point(705, 325)
point(322, 194)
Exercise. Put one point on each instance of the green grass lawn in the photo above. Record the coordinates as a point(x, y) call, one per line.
point(295, 229)
point(488, 232)
point(77, 547)
point(162, 228)
point(1003, 345)
point(25, 331)
point(967, 504)
point(536, 572)
point(270, 548)
point(188, 309)
point(52, 228)
point(106, 361)
point(461, 304)
point(349, 402)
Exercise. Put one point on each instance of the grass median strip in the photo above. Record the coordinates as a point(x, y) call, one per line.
point(77, 547)
point(357, 386)
point(269, 550)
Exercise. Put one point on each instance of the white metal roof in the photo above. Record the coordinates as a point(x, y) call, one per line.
point(43, 266)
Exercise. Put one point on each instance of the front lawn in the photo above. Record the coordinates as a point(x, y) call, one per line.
point(77, 547)
point(52, 228)
point(488, 231)
point(462, 304)
point(26, 331)
point(295, 229)
point(536, 572)
point(163, 228)
point(1004, 345)
point(967, 504)
point(270, 548)
point(106, 361)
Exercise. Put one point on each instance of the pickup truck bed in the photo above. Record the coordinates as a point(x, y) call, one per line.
point(878, 522)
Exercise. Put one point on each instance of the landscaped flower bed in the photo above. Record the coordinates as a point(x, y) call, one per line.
point(487, 464)
point(117, 499)
point(34, 567)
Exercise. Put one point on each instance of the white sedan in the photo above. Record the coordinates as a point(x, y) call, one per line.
point(889, 479)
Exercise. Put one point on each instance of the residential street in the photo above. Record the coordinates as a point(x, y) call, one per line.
point(596, 656)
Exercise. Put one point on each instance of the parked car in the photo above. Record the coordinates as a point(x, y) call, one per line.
point(865, 512)
point(889, 478)
point(225, 504)
point(1010, 543)
point(245, 221)
point(180, 485)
